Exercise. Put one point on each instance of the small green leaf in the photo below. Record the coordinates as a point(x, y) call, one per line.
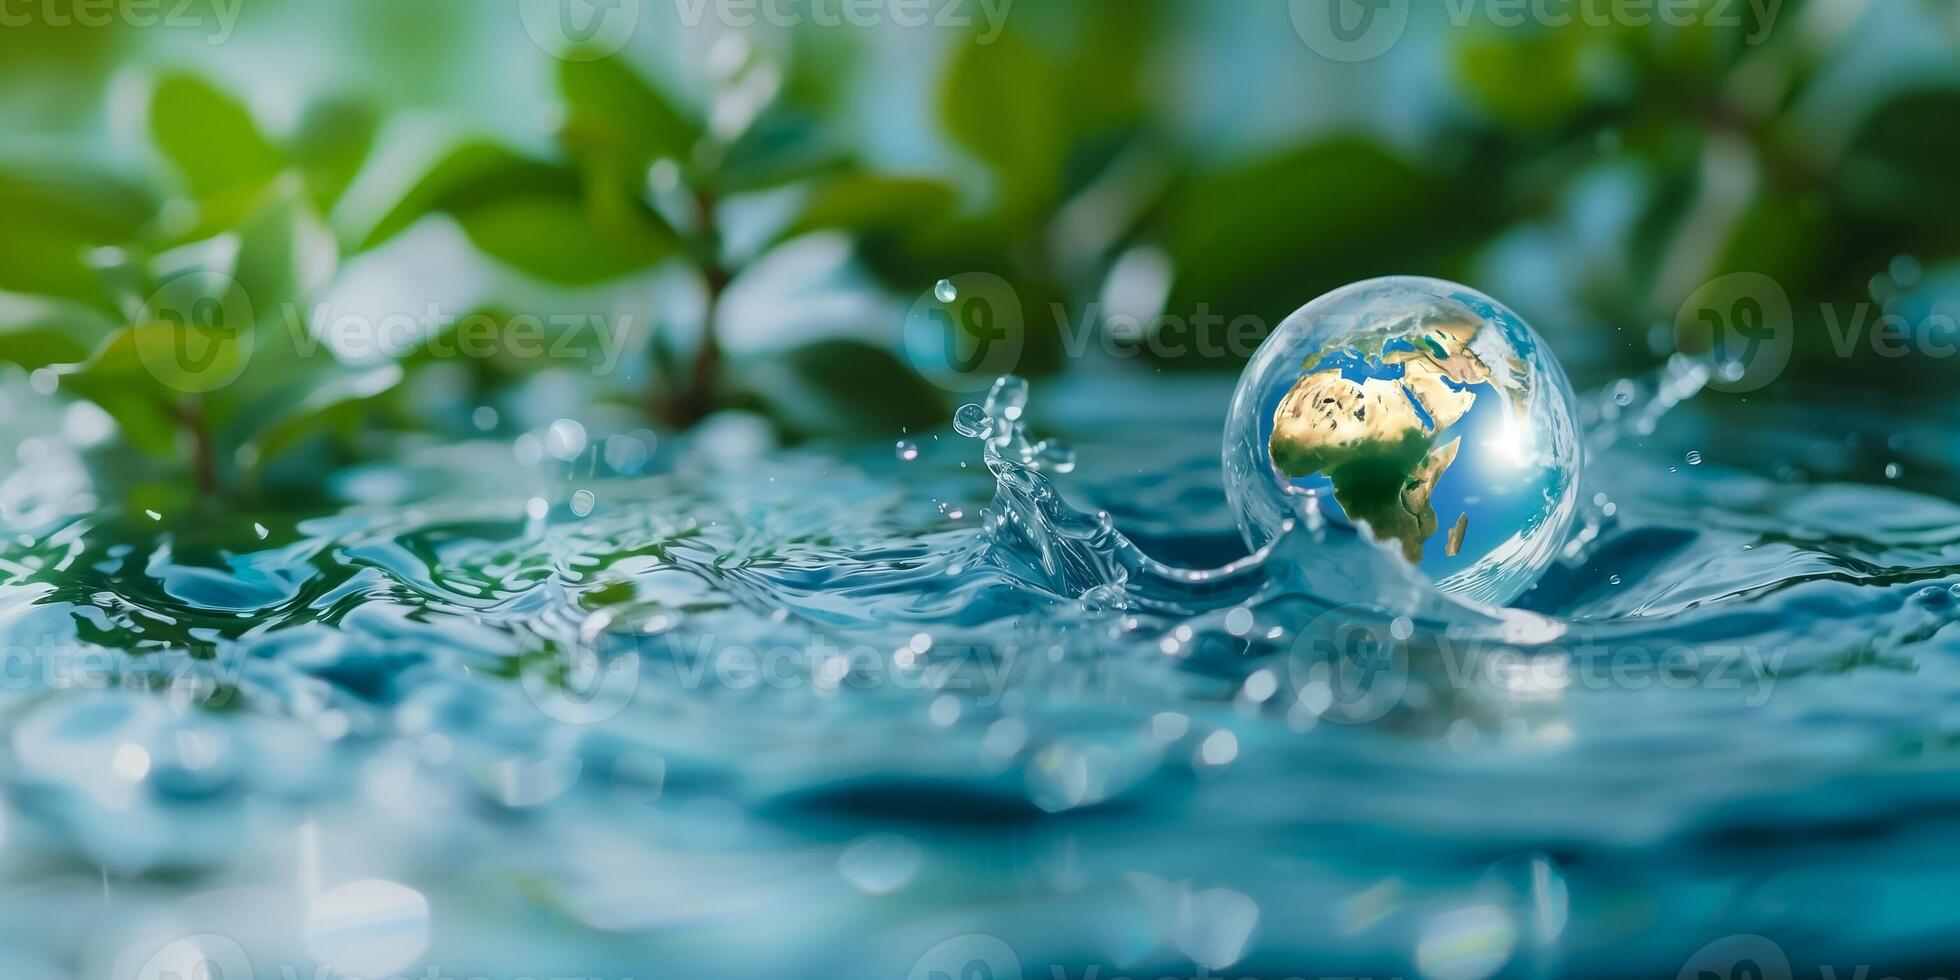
point(861, 203)
point(55, 215)
point(116, 380)
point(1900, 165)
point(839, 387)
point(1263, 238)
point(333, 141)
point(554, 237)
point(209, 136)
point(1002, 103)
point(322, 396)
point(37, 332)
point(613, 112)
point(472, 174)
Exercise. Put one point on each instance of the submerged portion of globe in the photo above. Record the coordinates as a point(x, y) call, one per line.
point(1422, 410)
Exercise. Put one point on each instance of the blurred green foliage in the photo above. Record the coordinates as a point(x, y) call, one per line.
point(1593, 174)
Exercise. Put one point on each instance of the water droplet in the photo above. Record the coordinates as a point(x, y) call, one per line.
point(260, 530)
point(1219, 748)
point(944, 291)
point(973, 422)
point(154, 515)
point(565, 439)
point(582, 502)
point(1893, 471)
point(1612, 580)
point(1623, 392)
point(44, 381)
point(1905, 270)
point(907, 450)
point(1694, 457)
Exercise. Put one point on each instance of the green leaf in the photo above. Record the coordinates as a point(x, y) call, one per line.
point(470, 175)
point(55, 215)
point(782, 147)
point(37, 332)
point(556, 238)
point(322, 398)
point(840, 387)
point(209, 137)
point(117, 381)
point(612, 112)
point(1900, 164)
point(1001, 103)
point(860, 203)
point(333, 141)
point(1527, 79)
point(1268, 236)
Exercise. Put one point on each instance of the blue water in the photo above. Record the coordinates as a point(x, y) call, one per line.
point(830, 712)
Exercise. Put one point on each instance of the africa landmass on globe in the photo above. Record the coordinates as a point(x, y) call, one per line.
point(1375, 439)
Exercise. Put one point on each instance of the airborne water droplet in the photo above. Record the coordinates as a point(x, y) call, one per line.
point(945, 291)
point(972, 421)
point(907, 450)
point(582, 502)
point(1694, 457)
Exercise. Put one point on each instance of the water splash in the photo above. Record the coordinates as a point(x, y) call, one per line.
point(687, 706)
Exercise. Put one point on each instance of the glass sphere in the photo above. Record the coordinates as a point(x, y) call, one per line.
point(1422, 409)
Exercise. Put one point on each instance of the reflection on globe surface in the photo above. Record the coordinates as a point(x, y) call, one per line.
point(1427, 412)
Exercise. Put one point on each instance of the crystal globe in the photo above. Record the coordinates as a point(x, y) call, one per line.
point(1426, 412)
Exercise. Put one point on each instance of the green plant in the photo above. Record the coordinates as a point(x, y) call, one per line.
point(169, 305)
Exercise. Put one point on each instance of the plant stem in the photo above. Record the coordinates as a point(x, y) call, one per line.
point(689, 400)
point(204, 461)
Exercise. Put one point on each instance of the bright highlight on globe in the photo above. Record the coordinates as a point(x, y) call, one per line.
point(1422, 410)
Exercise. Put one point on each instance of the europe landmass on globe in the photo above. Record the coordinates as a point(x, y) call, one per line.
point(1375, 438)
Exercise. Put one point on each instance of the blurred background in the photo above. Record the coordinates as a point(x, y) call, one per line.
point(267, 239)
